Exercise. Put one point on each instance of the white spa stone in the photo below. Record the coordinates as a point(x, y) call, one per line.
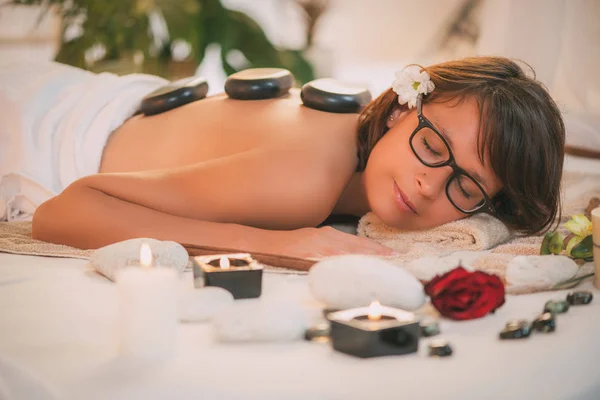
point(197, 305)
point(257, 321)
point(355, 281)
point(110, 259)
point(540, 271)
point(426, 268)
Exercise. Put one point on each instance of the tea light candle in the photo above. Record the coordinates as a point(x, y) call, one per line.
point(148, 309)
point(374, 331)
point(239, 273)
point(596, 240)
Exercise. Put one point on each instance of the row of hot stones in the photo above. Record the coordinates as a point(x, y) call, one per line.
point(546, 322)
point(324, 94)
point(371, 331)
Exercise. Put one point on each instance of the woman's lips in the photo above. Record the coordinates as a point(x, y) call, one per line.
point(402, 201)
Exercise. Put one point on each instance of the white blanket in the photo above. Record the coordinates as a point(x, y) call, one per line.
point(54, 123)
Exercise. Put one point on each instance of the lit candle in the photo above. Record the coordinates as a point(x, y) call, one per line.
point(238, 273)
point(596, 243)
point(148, 309)
point(374, 331)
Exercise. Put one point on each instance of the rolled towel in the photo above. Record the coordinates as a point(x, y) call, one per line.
point(476, 233)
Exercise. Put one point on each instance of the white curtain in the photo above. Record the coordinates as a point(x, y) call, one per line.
point(560, 39)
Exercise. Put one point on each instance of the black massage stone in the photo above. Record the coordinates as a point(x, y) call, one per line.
point(334, 96)
point(173, 95)
point(259, 83)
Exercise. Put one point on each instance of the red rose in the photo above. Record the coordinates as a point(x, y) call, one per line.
point(460, 294)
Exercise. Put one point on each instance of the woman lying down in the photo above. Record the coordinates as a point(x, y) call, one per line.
point(443, 143)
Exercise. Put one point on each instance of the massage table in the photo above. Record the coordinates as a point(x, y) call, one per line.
point(58, 339)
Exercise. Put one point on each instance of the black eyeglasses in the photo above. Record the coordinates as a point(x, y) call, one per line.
point(430, 147)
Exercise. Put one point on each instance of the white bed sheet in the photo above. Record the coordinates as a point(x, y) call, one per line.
point(58, 324)
point(57, 331)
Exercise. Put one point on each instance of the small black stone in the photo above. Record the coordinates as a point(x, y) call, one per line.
point(516, 329)
point(556, 306)
point(581, 297)
point(545, 323)
point(429, 328)
point(318, 333)
point(440, 348)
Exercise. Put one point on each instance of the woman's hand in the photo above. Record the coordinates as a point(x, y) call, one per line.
point(321, 242)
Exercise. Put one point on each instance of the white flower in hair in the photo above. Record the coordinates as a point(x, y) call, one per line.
point(409, 83)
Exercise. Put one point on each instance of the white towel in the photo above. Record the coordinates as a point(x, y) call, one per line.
point(476, 233)
point(54, 123)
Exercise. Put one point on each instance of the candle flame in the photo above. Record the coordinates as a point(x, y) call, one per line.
point(375, 311)
point(224, 262)
point(146, 255)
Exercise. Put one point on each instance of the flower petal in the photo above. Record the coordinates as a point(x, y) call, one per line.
point(579, 225)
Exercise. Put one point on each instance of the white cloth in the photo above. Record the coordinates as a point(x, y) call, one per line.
point(17, 383)
point(60, 323)
point(561, 51)
point(54, 123)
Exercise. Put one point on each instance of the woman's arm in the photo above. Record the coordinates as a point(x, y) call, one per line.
point(106, 208)
point(86, 218)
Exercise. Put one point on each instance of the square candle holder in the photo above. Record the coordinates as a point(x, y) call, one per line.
point(238, 273)
point(395, 332)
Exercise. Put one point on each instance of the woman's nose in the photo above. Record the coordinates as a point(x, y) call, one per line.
point(432, 183)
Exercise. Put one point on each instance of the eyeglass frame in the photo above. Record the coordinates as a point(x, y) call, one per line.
point(451, 162)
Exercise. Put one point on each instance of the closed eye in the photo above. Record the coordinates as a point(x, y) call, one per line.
point(429, 149)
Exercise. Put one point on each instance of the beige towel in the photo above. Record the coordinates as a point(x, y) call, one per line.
point(15, 238)
point(480, 232)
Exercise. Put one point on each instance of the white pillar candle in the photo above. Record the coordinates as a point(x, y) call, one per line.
point(148, 309)
point(596, 240)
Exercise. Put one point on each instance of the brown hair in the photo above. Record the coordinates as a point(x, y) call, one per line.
point(522, 132)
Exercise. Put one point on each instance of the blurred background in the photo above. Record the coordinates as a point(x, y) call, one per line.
point(363, 41)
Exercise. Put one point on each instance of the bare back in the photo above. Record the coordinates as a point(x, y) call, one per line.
point(218, 126)
point(323, 147)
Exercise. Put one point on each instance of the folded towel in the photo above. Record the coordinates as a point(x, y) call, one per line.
point(55, 121)
point(476, 233)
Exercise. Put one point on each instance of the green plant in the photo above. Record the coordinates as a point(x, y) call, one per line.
point(578, 245)
point(122, 29)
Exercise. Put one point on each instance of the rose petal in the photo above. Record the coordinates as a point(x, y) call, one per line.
point(439, 282)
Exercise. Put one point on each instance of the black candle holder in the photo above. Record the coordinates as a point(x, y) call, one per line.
point(394, 332)
point(242, 277)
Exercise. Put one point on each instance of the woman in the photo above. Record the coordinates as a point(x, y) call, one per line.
point(480, 136)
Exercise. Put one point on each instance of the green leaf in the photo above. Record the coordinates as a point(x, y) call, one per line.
point(569, 283)
point(575, 240)
point(552, 243)
point(584, 249)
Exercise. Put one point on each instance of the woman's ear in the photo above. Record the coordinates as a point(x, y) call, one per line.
point(394, 116)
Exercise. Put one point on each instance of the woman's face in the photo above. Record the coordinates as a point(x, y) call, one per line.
point(408, 195)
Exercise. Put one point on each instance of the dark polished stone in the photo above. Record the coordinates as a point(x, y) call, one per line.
point(440, 348)
point(581, 297)
point(259, 83)
point(173, 95)
point(545, 323)
point(429, 328)
point(556, 306)
point(334, 96)
point(516, 329)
